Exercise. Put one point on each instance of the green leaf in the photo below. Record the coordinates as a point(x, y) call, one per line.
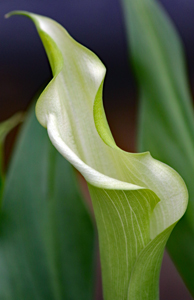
point(166, 121)
point(133, 194)
point(46, 234)
point(5, 128)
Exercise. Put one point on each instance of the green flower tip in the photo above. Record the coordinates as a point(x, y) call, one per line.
point(17, 12)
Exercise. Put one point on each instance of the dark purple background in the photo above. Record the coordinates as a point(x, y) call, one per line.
point(98, 25)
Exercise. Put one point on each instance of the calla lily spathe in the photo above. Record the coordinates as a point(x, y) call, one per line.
point(137, 200)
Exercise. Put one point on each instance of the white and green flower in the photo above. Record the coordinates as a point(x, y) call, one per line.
point(137, 200)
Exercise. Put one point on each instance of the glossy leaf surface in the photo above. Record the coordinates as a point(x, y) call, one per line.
point(133, 194)
point(166, 120)
point(46, 236)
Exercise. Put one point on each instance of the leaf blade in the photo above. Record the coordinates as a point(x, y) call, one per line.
point(166, 124)
point(39, 233)
point(5, 128)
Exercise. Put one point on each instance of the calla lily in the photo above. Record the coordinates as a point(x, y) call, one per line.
point(137, 200)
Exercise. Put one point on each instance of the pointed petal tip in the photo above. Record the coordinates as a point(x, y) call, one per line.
point(17, 12)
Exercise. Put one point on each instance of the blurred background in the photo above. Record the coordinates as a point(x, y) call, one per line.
point(99, 25)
